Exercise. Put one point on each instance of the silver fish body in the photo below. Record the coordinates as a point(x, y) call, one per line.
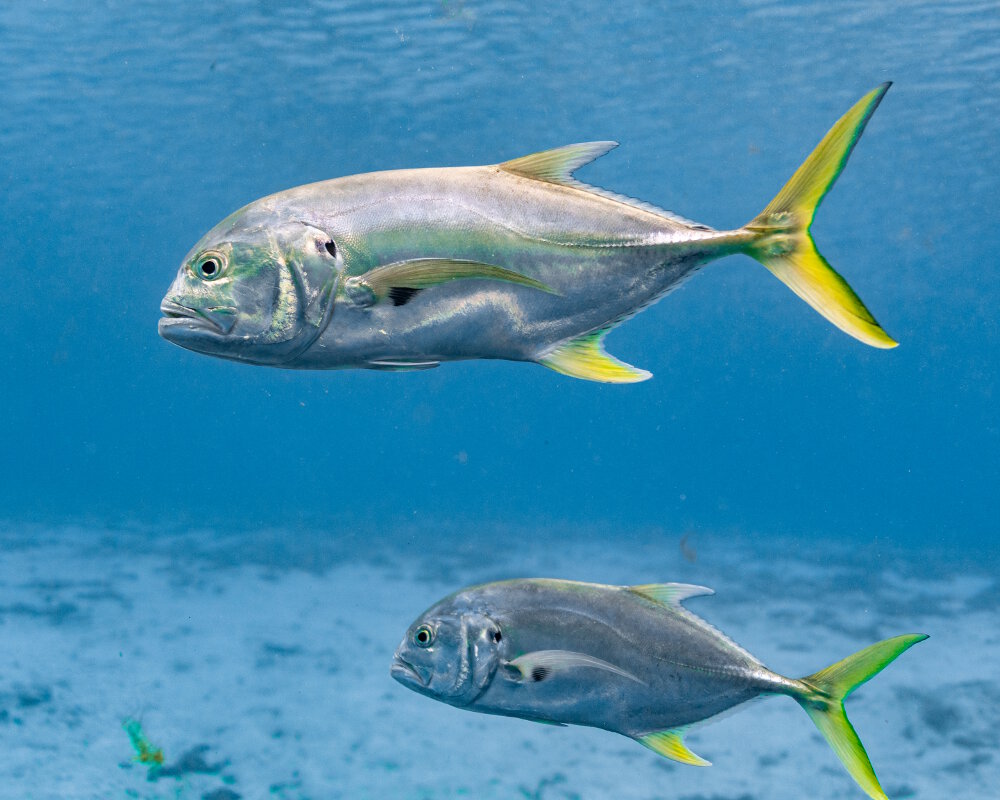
point(626, 659)
point(575, 242)
point(674, 668)
point(518, 261)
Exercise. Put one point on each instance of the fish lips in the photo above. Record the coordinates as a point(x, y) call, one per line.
point(408, 674)
point(186, 326)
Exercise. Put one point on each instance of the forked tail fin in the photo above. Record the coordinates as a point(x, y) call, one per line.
point(785, 246)
point(823, 700)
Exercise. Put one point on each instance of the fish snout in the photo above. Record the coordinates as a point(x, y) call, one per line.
point(408, 674)
point(216, 319)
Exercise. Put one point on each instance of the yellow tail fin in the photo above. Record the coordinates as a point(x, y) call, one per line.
point(824, 698)
point(784, 244)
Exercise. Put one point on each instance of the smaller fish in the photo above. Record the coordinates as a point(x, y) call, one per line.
point(145, 751)
point(628, 659)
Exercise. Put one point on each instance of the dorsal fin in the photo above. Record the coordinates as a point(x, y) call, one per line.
point(670, 594)
point(558, 165)
point(584, 357)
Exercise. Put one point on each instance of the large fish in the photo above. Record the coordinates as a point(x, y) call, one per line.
point(628, 659)
point(406, 269)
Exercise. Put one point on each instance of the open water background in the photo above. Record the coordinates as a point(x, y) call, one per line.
point(128, 129)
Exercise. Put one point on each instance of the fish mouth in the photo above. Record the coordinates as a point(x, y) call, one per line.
point(217, 321)
point(404, 672)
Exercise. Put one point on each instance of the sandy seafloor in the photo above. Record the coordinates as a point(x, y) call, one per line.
point(258, 661)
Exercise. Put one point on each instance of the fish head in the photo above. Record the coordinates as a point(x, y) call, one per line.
point(254, 289)
point(448, 654)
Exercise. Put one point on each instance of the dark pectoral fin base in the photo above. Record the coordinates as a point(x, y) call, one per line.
point(401, 295)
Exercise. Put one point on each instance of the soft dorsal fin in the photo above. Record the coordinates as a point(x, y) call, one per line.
point(558, 165)
point(670, 594)
point(671, 745)
point(584, 357)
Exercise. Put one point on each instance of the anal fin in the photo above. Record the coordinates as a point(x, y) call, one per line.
point(670, 744)
point(585, 357)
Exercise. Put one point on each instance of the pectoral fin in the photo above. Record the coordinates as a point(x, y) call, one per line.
point(670, 744)
point(539, 665)
point(584, 357)
point(401, 280)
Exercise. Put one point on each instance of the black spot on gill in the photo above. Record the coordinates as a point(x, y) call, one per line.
point(539, 674)
point(401, 295)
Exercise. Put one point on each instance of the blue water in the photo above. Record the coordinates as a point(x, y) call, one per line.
point(129, 129)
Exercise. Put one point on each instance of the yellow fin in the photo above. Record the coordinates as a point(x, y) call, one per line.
point(558, 165)
point(784, 244)
point(670, 594)
point(823, 697)
point(584, 357)
point(671, 745)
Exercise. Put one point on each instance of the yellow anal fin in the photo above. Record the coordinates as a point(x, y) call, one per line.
point(584, 357)
point(671, 745)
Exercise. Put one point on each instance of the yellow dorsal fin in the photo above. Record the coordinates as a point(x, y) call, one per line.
point(558, 165)
point(584, 357)
point(670, 594)
point(671, 745)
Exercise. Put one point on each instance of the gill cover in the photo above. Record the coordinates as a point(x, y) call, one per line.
point(478, 656)
point(252, 292)
point(303, 300)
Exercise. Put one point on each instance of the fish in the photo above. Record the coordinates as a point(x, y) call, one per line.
point(405, 269)
point(627, 659)
point(145, 751)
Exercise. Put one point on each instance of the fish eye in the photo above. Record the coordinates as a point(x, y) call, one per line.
point(423, 636)
point(331, 247)
point(210, 266)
